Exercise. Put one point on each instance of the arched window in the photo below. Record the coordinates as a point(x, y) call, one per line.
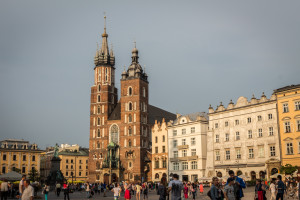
point(129, 131)
point(130, 106)
point(144, 92)
point(99, 74)
point(98, 133)
point(99, 88)
point(99, 110)
point(98, 98)
point(106, 74)
point(156, 139)
point(164, 138)
point(156, 176)
point(129, 91)
point(129, 118)
point(98, 165)
point(99, 121)
point(114, 134)
point(129, 143)
point(98, 145)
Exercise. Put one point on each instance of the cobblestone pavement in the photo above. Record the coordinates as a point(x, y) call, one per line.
point(249, 195)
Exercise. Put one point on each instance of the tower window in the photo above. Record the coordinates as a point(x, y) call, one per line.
point(98, 134)
point(99, 88)
point(129, 143)
point(106, 77)
point(98, 98)
point(144, 92)
point(129, 91)
point(99, 110)
point(130, 106)
point(129, 118)
point(99, 121)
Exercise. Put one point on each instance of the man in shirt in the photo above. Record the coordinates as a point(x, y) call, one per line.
point(4, 189)
point(28, 192)
point(175, 186)
point(273, 191)
point(280, 188)
point(214, 189)
point(21, 186)
point(229, 190)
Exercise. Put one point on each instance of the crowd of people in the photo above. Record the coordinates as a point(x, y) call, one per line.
point(232, 189)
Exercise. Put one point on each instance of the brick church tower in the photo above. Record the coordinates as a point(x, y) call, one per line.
point(120, 133)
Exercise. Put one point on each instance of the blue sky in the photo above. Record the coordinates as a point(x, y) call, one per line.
point(196, 53)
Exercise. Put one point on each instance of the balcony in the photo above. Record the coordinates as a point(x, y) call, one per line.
point(180, 147)
point(185, 158)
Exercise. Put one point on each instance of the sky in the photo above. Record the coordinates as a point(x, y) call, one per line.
point(196, 53)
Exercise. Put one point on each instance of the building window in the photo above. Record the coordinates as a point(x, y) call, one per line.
point(67, 161)
point(271, 133)
point(23, 170)
point(71, 160)
point(297, 105)
point(24, 157)
point(249, 120)
point(163, 138)
point(183, 131)
point(287, 127)
point(216, 125)
point(4, 156)
point(251, 153)
point(14, 157)
point(184, 153)
point(175, 154)
point(79, 173)
point(298, 125)
point(226, 124)
point(130, 91)
point(259, 118)
point(164, 163)
point(193, 152)
point(285, 107)
point(193, 141)
point(237, 136)
point(99, 110)
point(33, 158)
point(194, 165)
point(98, 145)
point(289, 148)
point(144, 92)
point(272, 151)
point(156, 139)
point(185, 165)
point(183, 141)
point(217, 155)
point(174, 132)
point(261, 151)
point(175, 166)
point(156, 149)
point(129, 106)
point(270, 116)
point(192, 129)
point(227, 153)
point(98, 133)
point(217, 138)
point(237, 122)
point(99, 99)
point(260, 134)
point(238, 154)
point(3, 170)
point(156, 164)
point(249, 134)
point(129, 143)
point(227, 137)
point(164, 149)
point(174, 143)
point(98, 121)
point(67, 166)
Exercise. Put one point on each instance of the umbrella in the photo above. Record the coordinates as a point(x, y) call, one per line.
point(11, 176)
point(275, 175)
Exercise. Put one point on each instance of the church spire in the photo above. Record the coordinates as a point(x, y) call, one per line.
point(104, 47)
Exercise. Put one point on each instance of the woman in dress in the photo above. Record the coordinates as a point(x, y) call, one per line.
point(186, 191)
point(201, 188)
point(127, 195)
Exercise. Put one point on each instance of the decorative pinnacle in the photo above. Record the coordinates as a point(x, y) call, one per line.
point(134, 43)
point(104, 34)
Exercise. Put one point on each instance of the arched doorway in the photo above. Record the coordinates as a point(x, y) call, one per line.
point(114, 178)
point(274, 171)
point(219, 174)
point(239, 172)
point(106, 178)
point(253, 175)
point(262, 175)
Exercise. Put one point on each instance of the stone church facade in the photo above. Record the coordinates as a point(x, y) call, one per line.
point(120, 130)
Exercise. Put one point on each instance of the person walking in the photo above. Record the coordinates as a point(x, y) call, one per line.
point(46, 190)
point(229, 191)
point(186, 191)
point(162, 189)
point(201, 188)
point(193, 189)
point(58, 189)
point(88, 190)
point(4, 190)
point(238, 185)
point(214, 194)
point(260, 190)
point(273, 190)
point(138, 188)
point(116, 190)
point(28, 192)
point(66, 189)
point(22, 186)
point(145, 191)
point(127, 195)
point(175, 187)
point(280, 188)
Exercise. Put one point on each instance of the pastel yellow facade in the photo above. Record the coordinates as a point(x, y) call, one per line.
point(288, 108)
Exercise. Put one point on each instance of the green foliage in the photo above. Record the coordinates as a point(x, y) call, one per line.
point(288, 169)
point(33, 175)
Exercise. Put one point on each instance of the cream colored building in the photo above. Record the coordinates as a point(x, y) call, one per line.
point(19, 156)
point(187, 138)
point(244, 138)
point(159, 151)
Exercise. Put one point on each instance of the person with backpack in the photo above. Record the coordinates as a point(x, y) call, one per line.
point(213, 192)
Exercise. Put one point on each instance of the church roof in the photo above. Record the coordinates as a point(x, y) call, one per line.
point(155, 113)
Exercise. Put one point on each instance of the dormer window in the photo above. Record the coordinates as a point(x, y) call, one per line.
point(15, 146)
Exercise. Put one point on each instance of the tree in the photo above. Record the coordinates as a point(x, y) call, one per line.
point(288, 169)
point(33, 175)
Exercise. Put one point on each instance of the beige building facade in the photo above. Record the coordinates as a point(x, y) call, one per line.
point(244, 138)
point(159, 151)
point(19, 156)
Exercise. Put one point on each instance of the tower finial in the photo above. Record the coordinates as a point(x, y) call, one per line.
point(104, 22)
point(134, 43)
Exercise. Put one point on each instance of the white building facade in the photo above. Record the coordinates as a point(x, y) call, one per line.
point(187, 136)
point(244, 138)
